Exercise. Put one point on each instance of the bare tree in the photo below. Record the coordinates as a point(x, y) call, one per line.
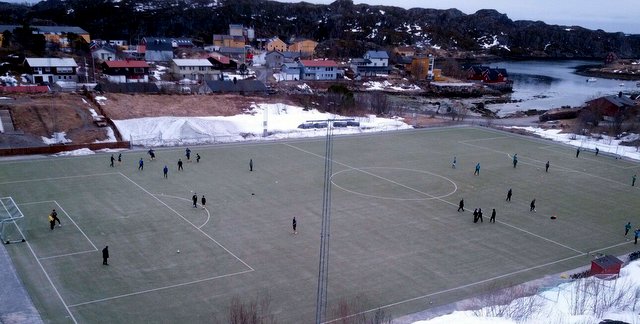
point(256, 311)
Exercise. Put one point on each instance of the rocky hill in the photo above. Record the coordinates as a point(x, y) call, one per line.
point(344, 28)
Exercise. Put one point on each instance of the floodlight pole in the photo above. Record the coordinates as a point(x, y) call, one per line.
point(323, 266)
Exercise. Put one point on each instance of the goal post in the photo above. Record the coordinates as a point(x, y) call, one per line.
point(11, 221)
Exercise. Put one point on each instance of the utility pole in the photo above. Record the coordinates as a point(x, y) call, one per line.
point(323, 264)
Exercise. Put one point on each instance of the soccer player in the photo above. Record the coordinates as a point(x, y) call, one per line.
point(515, 160)
point(477, 172)
point(480, 214)
point(105, 255)
point(165, 171)
point(197, 157)
point(633, 181)
point(453, 165)
point(577, 152)
point(187, 153)
point(180, 165)
point(119, 158)
point(461, 205)
point(250, 164)
point(493, 216)
point(203, 201)
point(141, 164)
point(112, 160)
point(532, 206)
point(195, 200)
point(54, 215)
point(294, 224)
point(509, 193)
point(546, 167)
point(475, 215)
point(627, 227)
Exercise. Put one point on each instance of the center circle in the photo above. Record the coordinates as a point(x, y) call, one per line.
point(394, 183)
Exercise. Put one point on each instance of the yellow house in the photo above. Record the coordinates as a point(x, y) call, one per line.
point(404, 51)
point(419, 67)
point(276, 44)
point(228, 41)
point(305, 46)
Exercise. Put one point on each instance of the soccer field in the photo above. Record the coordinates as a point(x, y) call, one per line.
point(397, 241)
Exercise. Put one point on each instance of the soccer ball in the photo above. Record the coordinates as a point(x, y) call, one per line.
point(178, 251)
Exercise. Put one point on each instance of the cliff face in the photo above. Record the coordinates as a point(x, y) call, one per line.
point(342, 23)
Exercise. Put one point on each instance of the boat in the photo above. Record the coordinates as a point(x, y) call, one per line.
point(592, 80)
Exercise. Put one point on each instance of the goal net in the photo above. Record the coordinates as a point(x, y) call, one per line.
point(11, 221)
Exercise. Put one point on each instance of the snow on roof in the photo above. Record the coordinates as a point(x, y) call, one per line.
point(51, 62)
point(192, 62)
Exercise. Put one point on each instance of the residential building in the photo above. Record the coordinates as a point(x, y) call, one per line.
point(157, 49)
point(612, 107)
point(236, 30)
point(276, 44)
point(405, 51)
point(319, 69)
point(377, 58)
point(50, 70)
point(275, 59)
point(193, 69)
point(305, 47)
point(221, 62)
point(421, 67)
point(289, 72)
point(126, 71)
point(371, 64)
point(229, 41)
point(104, 52)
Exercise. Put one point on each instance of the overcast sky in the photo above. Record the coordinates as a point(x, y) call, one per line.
point(610, 16)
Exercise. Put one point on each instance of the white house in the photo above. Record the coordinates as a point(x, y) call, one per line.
point(193, 69)
point(51, 70)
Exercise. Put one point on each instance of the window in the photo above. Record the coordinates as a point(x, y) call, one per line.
point(65, 69)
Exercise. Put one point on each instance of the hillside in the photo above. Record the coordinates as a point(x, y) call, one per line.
point(357, 27)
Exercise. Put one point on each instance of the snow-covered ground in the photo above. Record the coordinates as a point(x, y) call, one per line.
point(581, 301)
point(281, 120)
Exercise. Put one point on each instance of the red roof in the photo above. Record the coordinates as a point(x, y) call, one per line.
point(220, 58)
point(324, 63)
point(127, 64)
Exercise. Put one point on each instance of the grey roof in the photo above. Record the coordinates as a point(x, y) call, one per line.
point(620, 101)
point(158, 44)
point(231, 50)
point(294, 65)
point(50, 62)
point(238, 86)
point(377, 54)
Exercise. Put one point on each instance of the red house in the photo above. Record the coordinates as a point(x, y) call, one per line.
point(126, 71)
point(607, 264)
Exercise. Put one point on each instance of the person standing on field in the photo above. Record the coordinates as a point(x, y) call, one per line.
point(105, 255)
point(480, 214)
point(493, 216)
point(477, 171)
point(637, 233)
point(453, 165)
point(203, 201)
point(250, 164)
point(187, 153)
point(597, 151)
point(54, 215)
point(195, 200)
point(119, 158)
point(546, 167)
point(475, 215)
point(509, 193)
point(112, 160)
point(633, 181)
point(627, 227)
point(461, 205)
point(532, 206)
point(515, 160)
point(180, 165)
point(165, 171)
point(577, 152)
point(294, 224)
point(141, 164)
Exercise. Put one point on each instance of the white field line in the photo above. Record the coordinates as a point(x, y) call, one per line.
point(49, 279)
point(186, 220)
point(66, 255)
point(159, 288)
point(456, 288)
point(74, 223)
point(206, 209)
point(440, 199)
point(554, 166)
